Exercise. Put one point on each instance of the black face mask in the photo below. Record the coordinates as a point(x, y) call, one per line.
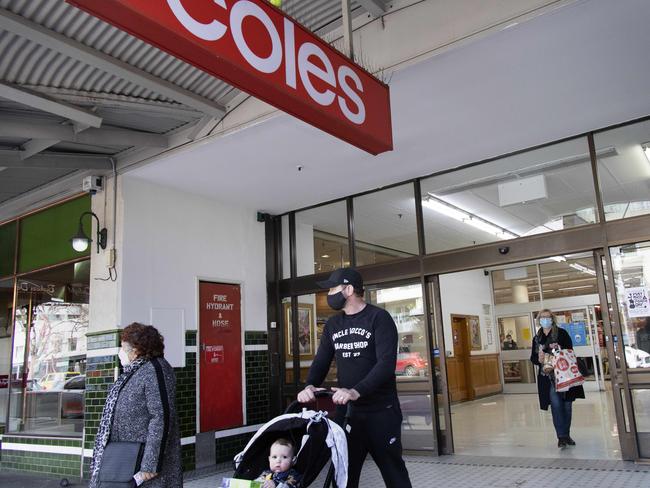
point(336, 301)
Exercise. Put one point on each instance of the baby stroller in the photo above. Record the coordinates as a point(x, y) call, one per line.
point(316, 436)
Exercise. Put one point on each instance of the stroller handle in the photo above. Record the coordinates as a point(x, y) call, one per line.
point(323, 394)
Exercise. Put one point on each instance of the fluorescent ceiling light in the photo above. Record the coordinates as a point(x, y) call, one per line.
point(325, 256)
point(457, 213)
point(575, 287)
point(582, 268)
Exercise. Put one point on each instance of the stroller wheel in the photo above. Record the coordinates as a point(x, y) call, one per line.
point(64, 482)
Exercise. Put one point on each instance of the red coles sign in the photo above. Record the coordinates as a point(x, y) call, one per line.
point(257, 48)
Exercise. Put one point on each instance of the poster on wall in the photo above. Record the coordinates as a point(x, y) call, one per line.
point(220, 356)
point(306, 330)
point(475, 333)
point(636, 300)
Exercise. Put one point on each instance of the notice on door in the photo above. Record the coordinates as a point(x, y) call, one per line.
point(220, 363)
point(637, 302)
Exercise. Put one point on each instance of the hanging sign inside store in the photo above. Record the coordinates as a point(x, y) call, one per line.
point(257, 48)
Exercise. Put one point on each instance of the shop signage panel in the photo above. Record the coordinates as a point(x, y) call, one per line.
point(257, 48)
point(220, 356)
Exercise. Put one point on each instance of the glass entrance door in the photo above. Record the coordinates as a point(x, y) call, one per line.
point(405, 303)
point(629, 266)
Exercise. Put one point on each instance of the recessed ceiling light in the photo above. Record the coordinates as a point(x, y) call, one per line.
point(325, 256)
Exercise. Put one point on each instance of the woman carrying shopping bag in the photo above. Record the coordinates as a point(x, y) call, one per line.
point(548, 338)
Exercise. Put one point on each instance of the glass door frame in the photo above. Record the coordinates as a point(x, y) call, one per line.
point(623, 380)
point(419, 386)
point(620, 380)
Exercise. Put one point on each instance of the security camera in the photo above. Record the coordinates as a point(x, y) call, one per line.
point(92, 184)
point(504, 250)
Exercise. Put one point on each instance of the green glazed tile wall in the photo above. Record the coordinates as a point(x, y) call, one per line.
point(42, 462)
point(100, 373)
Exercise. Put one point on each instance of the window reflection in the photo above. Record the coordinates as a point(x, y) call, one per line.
point(624, 170)
point(6, 312)
point(405, 305)
point(515, 285)
point(322, 239)
point(631, 265)
point(538, 191)
point(384, 225)
point(49, 352)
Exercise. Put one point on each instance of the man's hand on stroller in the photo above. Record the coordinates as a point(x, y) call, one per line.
point(307, 395)
point(344, 395)
point(269, 484)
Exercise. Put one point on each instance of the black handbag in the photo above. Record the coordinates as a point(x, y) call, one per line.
point(120, 461)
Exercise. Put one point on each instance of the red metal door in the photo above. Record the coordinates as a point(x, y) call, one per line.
point(220, 366)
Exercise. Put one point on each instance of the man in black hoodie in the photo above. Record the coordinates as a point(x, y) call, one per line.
point(364, 341)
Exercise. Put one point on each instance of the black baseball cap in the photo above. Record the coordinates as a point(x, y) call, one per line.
point(343, 276)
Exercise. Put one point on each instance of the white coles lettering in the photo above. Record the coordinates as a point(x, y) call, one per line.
point(283, 44)
point(305, 67)
point(208, 32)
point(239, 12)
point(344, 74)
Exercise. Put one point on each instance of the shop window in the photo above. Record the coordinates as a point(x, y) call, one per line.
point(534, 192)
point(45, 236)
point(6, 313)
point(568, 277)
point(515, 285)
point(7, 248)
point(322, 239)
point(286, 246)
point(385, 225)
point(405, 305)
point(624, 170)
point(47, 379)
point(631, 265)
point(313, 313)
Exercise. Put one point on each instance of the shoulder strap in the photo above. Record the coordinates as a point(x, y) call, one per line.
point(164, 400)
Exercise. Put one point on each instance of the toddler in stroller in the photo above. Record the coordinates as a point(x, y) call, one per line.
point(280, 473)
point(315, 438)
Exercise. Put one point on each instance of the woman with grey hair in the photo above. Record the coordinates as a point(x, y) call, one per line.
point(141, 407)
point(548, 338)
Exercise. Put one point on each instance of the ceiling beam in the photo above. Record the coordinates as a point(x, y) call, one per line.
point(76, 50)
point(30, 148)
point(46, 104)
point(13, 159)
point(376, 8)
point(106, 136)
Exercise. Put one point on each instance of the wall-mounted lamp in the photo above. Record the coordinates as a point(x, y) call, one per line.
point(80, 241)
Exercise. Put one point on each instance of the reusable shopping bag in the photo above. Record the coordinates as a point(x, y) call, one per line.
point(565, 369)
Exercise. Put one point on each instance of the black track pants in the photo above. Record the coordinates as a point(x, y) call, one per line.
point(377, 433)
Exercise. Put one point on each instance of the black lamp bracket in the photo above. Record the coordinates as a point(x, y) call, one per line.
point(102, 232)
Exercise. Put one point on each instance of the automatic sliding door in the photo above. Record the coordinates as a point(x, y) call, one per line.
point(406, 305)
point(630, 269)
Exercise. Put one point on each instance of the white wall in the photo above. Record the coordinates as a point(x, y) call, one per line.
point(465, 293)
point(104, 302)
point(172, 238)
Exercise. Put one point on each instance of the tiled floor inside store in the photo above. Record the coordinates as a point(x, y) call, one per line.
point(513, 425)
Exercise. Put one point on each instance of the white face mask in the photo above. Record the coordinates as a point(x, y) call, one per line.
point(124, 357)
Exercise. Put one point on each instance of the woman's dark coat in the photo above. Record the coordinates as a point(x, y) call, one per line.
point(544, 382)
